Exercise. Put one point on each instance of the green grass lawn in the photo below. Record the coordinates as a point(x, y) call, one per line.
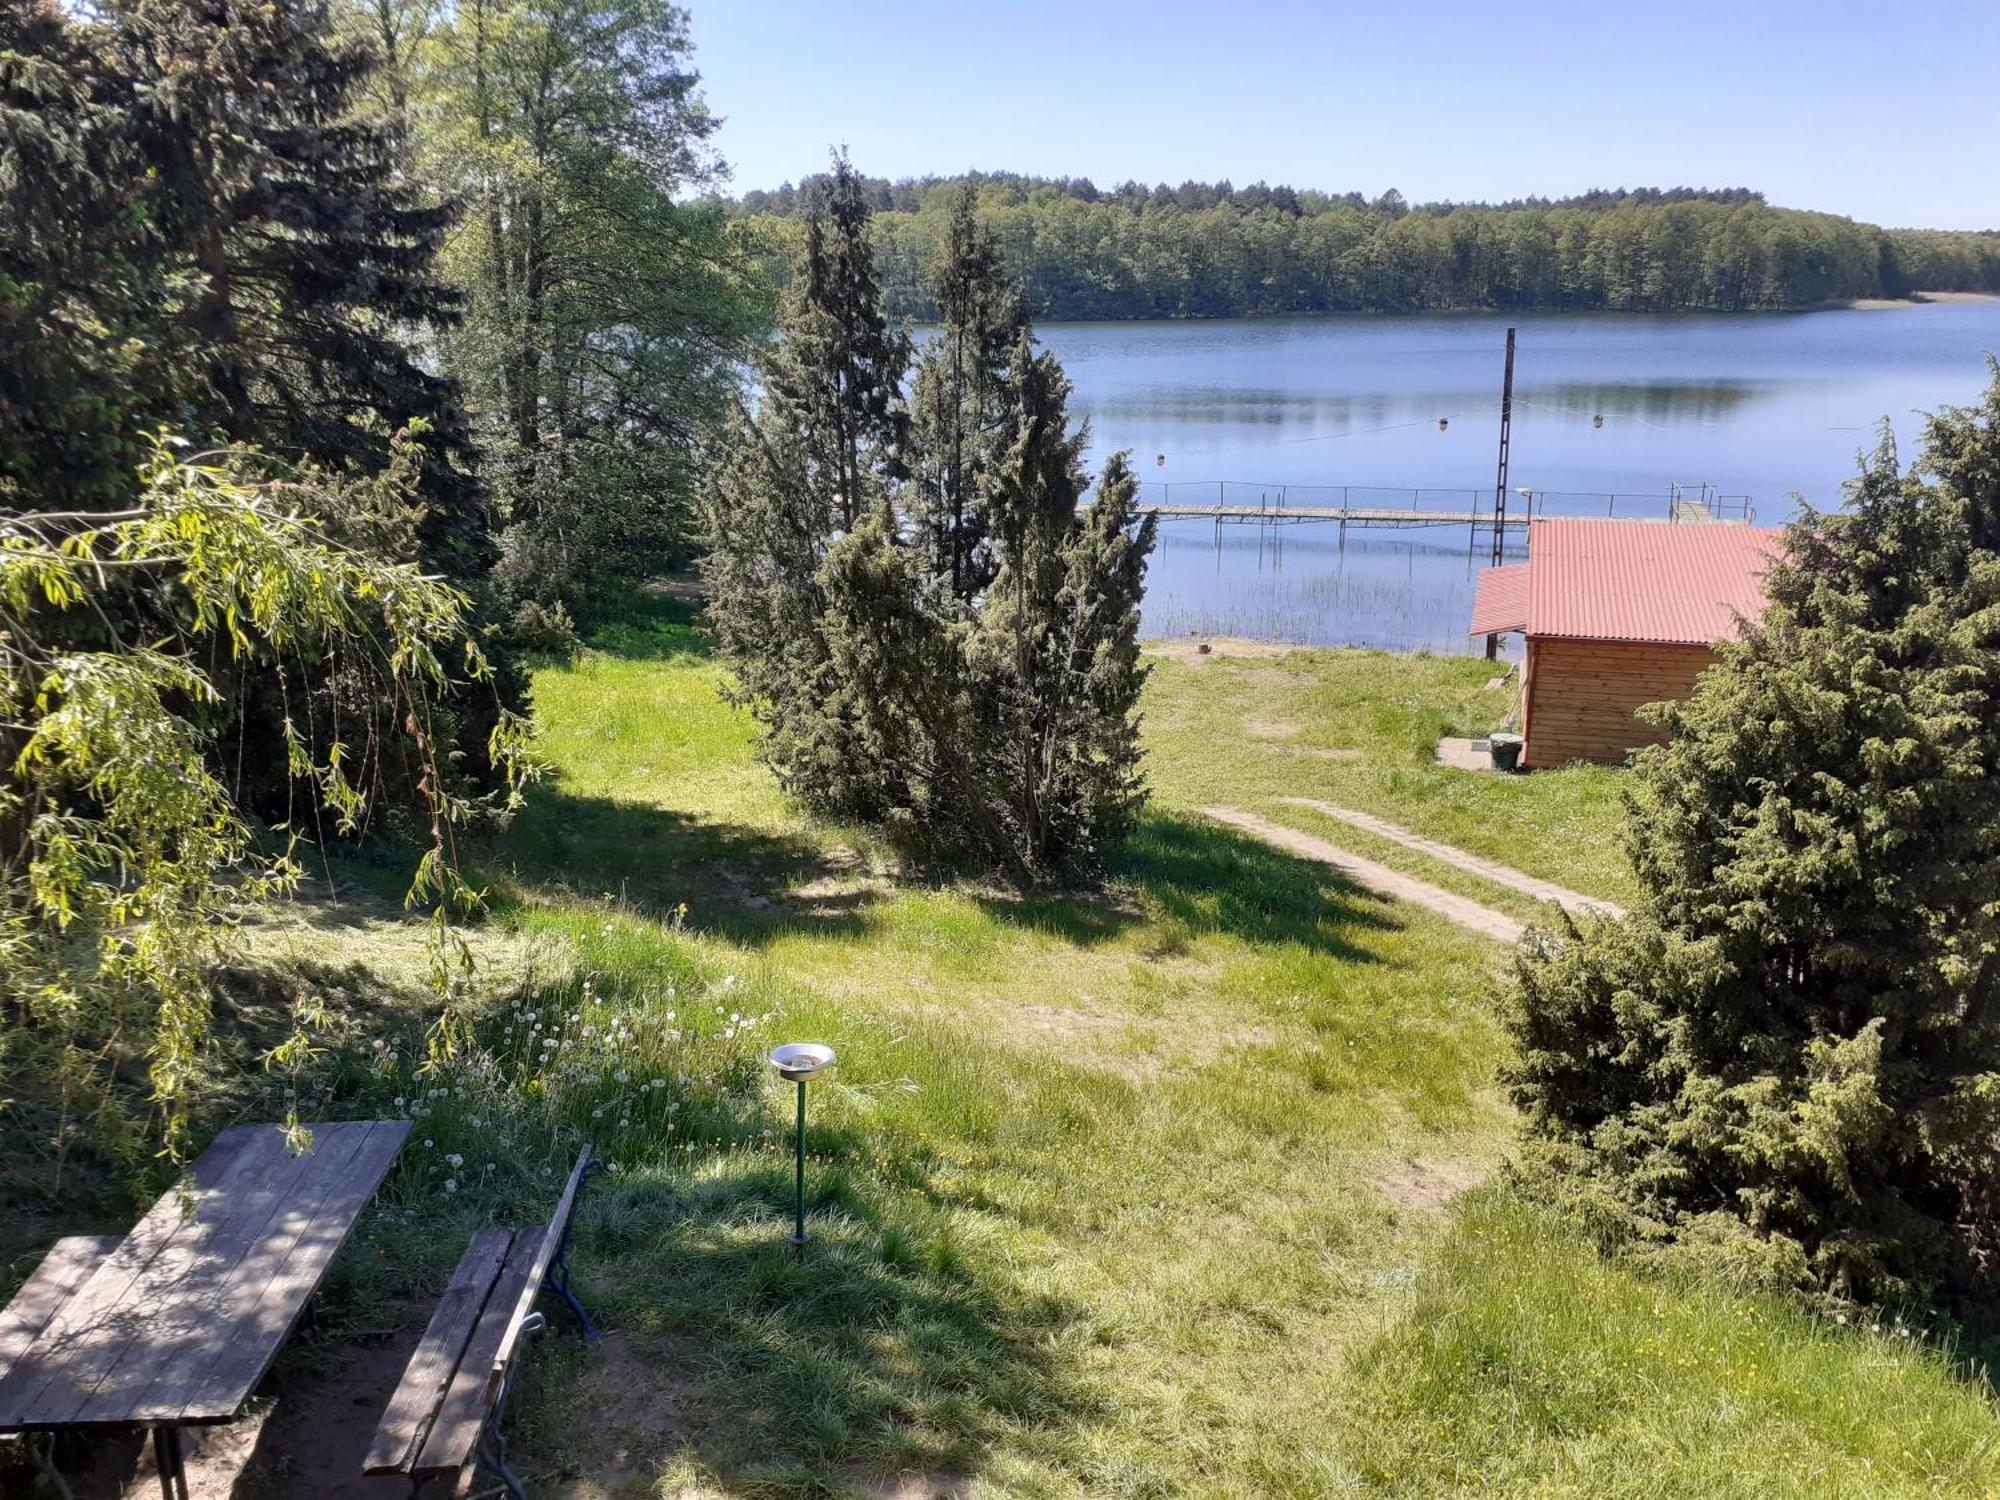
point(1180, 1186)
point(1167, 1188)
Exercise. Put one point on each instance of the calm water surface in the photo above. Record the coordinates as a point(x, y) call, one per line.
point(1772, 406)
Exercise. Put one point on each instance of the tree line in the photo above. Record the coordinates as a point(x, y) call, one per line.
point(1212, 250)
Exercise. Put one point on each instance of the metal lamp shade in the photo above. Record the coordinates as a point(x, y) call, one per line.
point(798, 1061)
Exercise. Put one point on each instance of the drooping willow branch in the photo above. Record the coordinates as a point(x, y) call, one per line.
point(123, 853)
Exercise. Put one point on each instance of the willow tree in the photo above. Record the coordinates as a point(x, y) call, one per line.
point(125, 853)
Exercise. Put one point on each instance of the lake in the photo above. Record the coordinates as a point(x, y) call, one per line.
point(1771, 406)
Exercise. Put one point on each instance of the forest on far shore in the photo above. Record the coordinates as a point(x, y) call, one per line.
point(1214, 250)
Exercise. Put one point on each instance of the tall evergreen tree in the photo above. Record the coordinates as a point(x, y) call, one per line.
point(240, 258)
point(835, 384)
point(990, 709)
point(961, 399)
point(1055, 649)
point(1798, 1035)
point(202, 236)
point(821, 455)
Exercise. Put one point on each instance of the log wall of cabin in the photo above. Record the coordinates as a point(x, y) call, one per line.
point(1578, 697)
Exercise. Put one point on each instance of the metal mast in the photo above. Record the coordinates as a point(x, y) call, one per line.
point(1506, 434)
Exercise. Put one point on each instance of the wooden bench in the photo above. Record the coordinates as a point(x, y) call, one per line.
point(445, 1419)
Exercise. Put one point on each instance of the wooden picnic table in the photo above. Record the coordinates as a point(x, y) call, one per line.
point(175, 1324)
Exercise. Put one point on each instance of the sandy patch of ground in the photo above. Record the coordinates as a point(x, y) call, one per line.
point(635, 1416)
point(1270, 729)
point(914, 1487)
point(1194, 650)
point(1377, 877)
point(685, 587)
point(1328, 752)
point(1428, 1185)
point(304, 1437)
point(1915, 299)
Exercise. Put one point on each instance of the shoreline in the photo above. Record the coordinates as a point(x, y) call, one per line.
point(1885, 304)
point(1836, 304)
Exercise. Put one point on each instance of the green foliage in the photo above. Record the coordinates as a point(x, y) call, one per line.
point(605, 313)
point(125, 851)
point(1799, 1035)
point(203, 234)
point(1126, 1192)
point(1210, 250)
point(200, 234)
point(959, 400)
point(931, 632)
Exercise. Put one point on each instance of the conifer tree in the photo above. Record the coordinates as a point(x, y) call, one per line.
point(982, 699)
point(1798, 1035)
point(1055, 650)
point(234, 254)
point(820, 456)
point(201, 234)
point(961, 399)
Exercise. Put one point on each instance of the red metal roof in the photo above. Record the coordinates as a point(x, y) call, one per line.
point(1500, 603)
point(1639, 581)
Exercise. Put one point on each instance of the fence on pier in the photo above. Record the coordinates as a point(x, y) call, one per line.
point(1230, 501)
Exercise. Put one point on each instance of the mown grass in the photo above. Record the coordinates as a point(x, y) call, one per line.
point(1359, 729)
point(1146, 1190)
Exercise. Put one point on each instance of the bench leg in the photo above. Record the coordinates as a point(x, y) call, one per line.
point(492, 1454)
point(171, 1462)
point(557, 1281)
point(41, 1448)
point(558, 1277)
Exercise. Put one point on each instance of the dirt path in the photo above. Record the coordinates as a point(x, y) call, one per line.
point(1377, 877)
point(1493, 870)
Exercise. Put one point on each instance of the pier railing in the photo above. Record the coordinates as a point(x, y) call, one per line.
point(1379, 505)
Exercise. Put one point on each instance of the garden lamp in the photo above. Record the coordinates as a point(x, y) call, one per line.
point(796, 1062)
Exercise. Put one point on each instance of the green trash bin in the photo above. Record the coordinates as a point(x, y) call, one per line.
point(1505, 750)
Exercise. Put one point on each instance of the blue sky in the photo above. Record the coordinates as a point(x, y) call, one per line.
point(1888, 111)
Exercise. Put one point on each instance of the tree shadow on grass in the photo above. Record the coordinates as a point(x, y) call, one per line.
point(732, 878)
point(650, 627)
point(1191, 876)
point(892, 1346)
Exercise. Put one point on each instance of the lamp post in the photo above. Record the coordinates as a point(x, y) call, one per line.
point(796, 1062)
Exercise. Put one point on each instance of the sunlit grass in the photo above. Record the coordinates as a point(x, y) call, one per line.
point(1527, 1366)
point(1359, 729)
point(1141, 1190)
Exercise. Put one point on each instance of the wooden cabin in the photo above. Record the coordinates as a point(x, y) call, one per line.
point(1617, 614)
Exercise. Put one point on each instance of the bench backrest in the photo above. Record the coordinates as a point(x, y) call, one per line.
point(538, 1268)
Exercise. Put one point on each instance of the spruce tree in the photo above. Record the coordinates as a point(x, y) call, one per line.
point(229, 252)
point(1793, 1045)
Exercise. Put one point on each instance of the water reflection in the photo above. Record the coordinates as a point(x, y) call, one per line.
point(1298, 583)
point(1764, 405)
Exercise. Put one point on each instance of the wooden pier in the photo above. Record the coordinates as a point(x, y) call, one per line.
point(1233, 502)
point(1345, 515)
